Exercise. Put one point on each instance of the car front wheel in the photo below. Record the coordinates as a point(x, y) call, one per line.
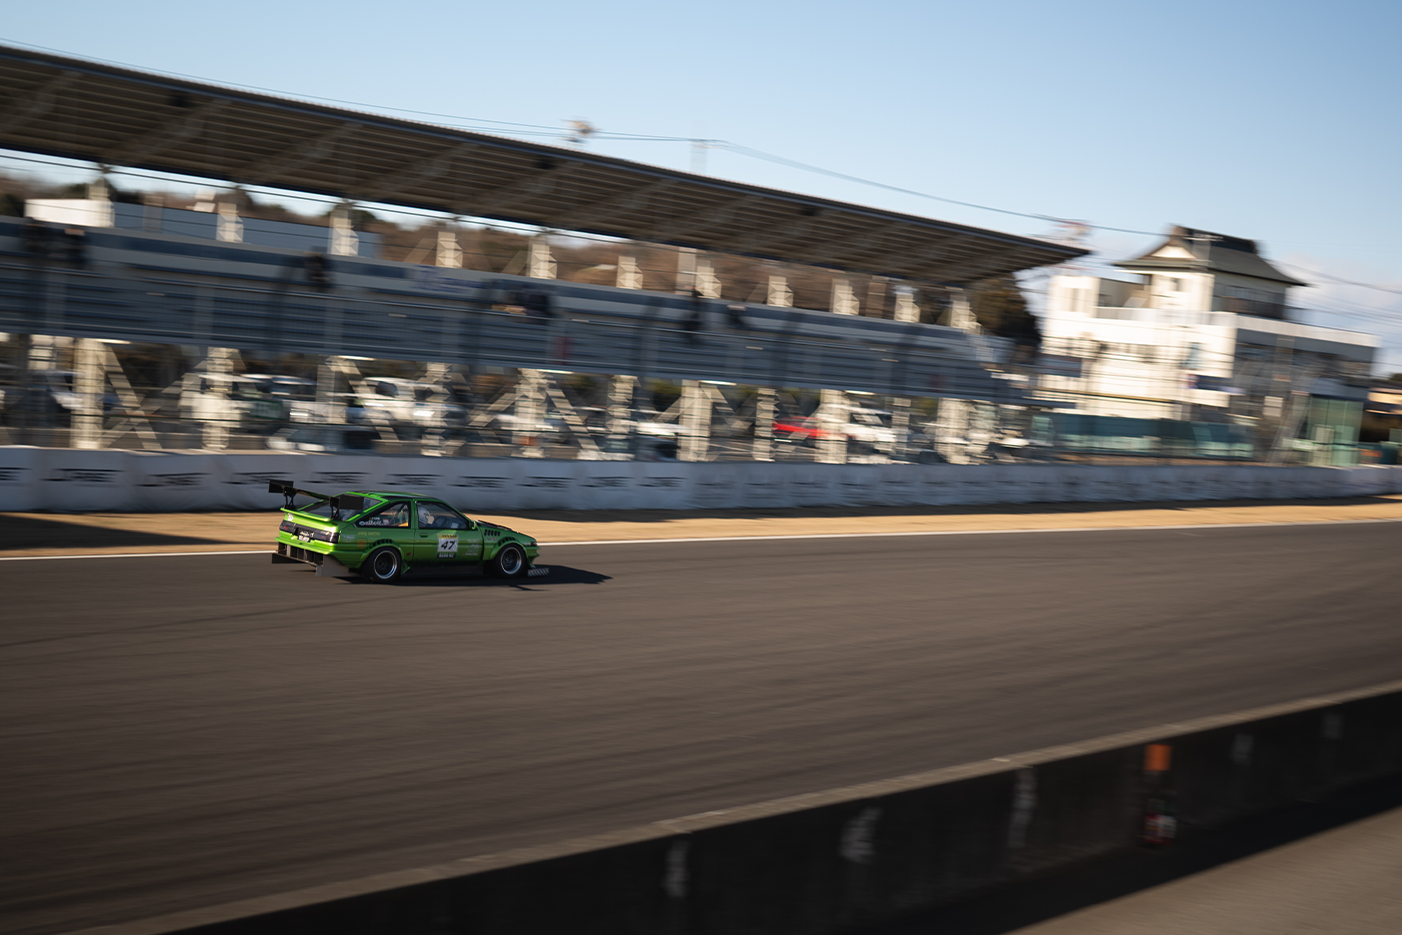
point(510, 562)
point(383, 566)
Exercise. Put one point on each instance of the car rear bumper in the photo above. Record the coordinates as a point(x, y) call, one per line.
point(326, 565)
point(295, 553)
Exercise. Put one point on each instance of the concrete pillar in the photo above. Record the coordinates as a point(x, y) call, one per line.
point(230, 225)
point(844, 299)
point(630, 275)
point(900, 426)
point(622, 391)
point(906, 309)
point(344, 240)
point(434, 439)
point(706, 281)
point(876, 297)
point(695, 422)
point(529, 410)
point(763, 449)
point(90, 360)
point(952, 430)
point(832, 417)
point(214, 433)
point(327, 376)
point(449, 253)
point(40, 354)
point(43, 351)
point(780, 295)
point(686, 270)
point(151, 217)
point(541, 262)
point(104, 214)
point(961, 315)
point(957, 428)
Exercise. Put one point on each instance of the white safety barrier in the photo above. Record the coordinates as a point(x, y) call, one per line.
point(75, 480)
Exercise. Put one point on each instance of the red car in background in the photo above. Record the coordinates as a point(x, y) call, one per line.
point(801, 430)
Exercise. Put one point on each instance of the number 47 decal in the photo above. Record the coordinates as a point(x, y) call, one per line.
point(447, 544)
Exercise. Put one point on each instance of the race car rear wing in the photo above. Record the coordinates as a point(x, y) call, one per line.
point(350, 502)
point(290, 490)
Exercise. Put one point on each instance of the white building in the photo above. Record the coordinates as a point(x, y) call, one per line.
point(1198, 330)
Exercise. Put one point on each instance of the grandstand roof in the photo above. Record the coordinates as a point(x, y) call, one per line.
point(122, 117)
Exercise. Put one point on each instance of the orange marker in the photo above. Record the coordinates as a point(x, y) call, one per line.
point(1157, 757)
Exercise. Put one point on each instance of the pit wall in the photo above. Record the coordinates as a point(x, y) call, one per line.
point(76, 480)
point(835, 860)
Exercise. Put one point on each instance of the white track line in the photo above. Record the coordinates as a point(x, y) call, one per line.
point(42, 558)
point(799, 535)
point(970, 532)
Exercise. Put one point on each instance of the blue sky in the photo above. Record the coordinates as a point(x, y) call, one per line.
point(1276, 121)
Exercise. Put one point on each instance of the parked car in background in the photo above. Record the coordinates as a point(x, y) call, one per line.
point(229, 398)
point(410, 402)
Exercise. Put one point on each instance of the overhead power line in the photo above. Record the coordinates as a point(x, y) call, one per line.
point(1346, 282)
point(540, 130)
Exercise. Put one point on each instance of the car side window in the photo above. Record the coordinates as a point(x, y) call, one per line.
point(393, 516)
point(438, 516)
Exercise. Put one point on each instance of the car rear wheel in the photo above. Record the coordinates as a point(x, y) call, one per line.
point(383, 566)
point(510, 562)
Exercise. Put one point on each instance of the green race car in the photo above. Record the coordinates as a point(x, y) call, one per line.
point(383, 534)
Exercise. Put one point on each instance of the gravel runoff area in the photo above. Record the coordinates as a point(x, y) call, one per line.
point(35, 534)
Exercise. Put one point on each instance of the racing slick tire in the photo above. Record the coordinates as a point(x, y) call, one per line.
point(510, 562)
point(383, 566)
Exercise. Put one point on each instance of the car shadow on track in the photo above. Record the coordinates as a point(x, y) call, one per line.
point(33, 532)
point(559, 575)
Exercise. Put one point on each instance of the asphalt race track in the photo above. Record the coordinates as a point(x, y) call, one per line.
point(187, 731)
